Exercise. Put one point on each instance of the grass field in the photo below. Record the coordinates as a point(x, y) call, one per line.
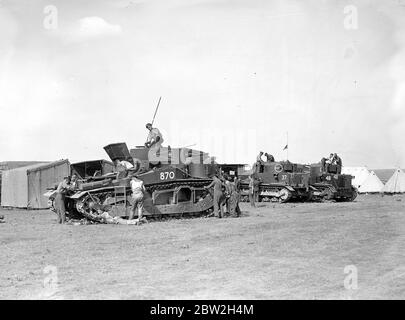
point(276, 251)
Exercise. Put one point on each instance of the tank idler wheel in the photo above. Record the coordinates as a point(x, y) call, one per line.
point(284, 195)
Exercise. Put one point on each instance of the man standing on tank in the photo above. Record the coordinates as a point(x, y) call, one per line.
point(338, 162)
point(155, 138)
point(154, 142)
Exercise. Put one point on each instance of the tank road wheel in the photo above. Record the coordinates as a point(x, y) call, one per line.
point(284, 195)
point(89, 206)
point(329, 194)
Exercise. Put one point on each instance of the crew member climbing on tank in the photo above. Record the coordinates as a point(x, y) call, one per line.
point(155, 138)
point(269, 157)
point(122, 168)
point(259, 162)
point(259, 159)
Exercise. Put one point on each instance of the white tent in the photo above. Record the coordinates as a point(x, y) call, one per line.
point(371, 184)
point(360, 174)
point(396, 184)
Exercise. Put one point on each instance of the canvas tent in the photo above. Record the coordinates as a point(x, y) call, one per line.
point(360, 174)
point(396, 184)
point(371, 184)
point(24, 187)
point(7, 165)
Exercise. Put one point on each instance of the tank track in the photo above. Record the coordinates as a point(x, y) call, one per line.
point(284, 195)
point(91, 205)
point(322, 192)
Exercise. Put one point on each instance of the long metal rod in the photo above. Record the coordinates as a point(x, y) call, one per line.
point(157, 107)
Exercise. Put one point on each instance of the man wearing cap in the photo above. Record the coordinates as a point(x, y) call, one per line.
point(60, 198)
point(138, 191)
point(155, 138)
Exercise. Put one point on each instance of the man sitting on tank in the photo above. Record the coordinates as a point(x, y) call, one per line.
point(326, 162)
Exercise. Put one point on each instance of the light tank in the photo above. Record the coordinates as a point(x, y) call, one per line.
point(278, 181)
point(286, 181)
point(174, 179)
point(329, 184)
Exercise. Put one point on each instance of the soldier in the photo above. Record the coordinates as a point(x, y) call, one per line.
point(235, 197)
point(324, 164)
point(228, 193)
point(155, 138)
point(338, 162)
point(269, 157)
point(252, 194)
point(122, 168)
point(60, 198)
point(138, 191)
point(74, 183)
point(236, 181)
point(331, 159)
point(218, 195)
point(259, 159)
point(73, 186)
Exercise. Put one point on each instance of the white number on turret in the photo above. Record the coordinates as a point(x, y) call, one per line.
point(166, 175)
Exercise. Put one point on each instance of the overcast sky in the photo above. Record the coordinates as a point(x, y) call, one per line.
point(234, 75)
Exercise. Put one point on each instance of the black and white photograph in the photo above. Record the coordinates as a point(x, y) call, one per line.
point(226, 151)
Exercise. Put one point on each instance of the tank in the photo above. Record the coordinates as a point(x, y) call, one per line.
point(174, 179)
point(279, 181)
point(286, 181)
point(328, 183)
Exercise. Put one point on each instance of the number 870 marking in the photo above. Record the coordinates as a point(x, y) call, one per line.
point(166, 175)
